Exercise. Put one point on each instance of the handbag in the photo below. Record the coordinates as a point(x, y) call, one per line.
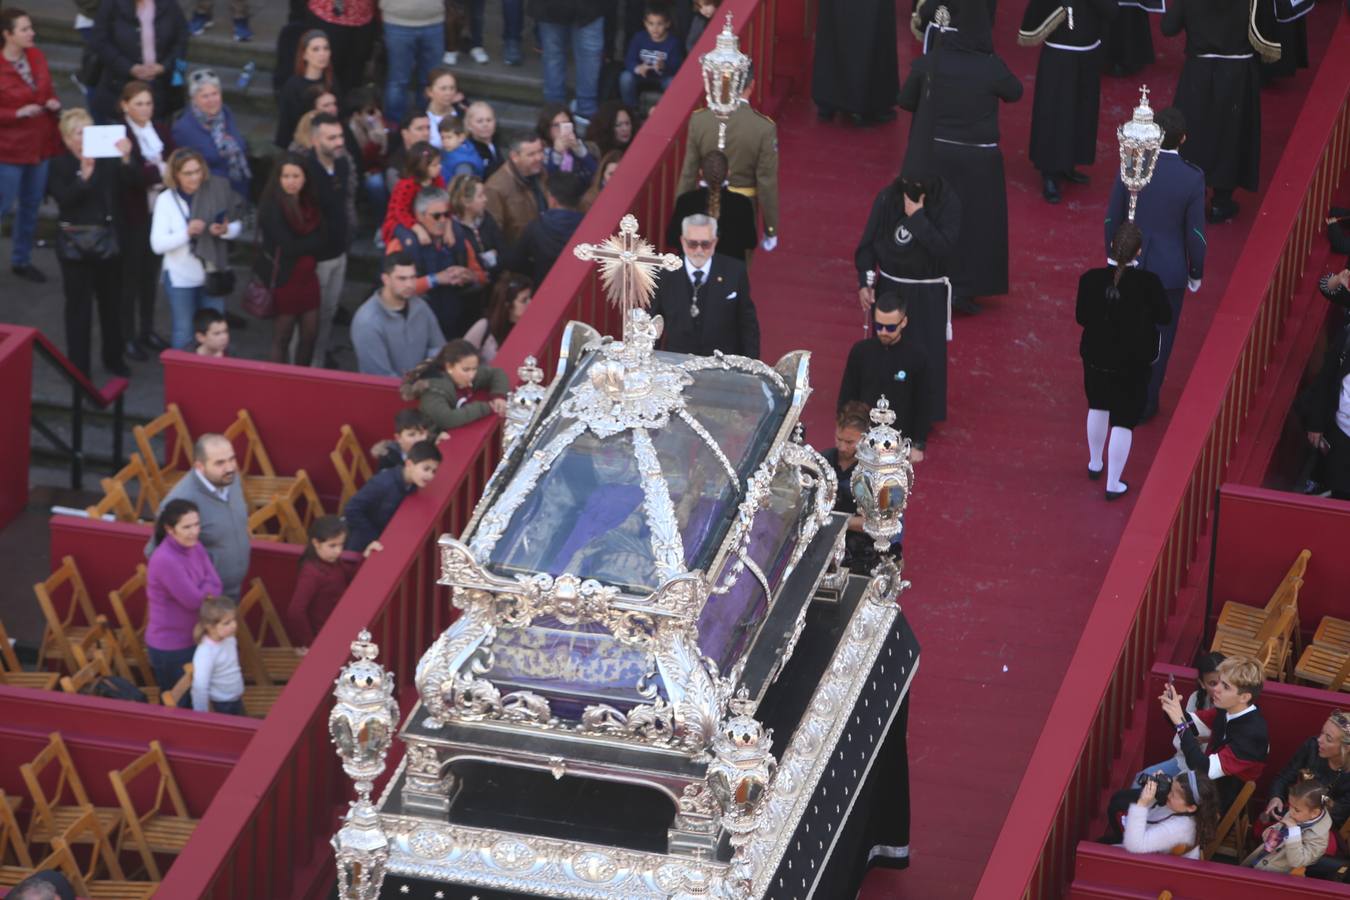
point(260, 299)
point(219, 283)
point(87, 243)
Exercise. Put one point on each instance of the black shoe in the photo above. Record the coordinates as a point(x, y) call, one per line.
point(29, 272)
point(1116, 495)
point(236, 323)
point(1050, 189)
point(153, 342)
point(1222, 212)
point(1073, 176)
point(1094, 474)
point(117, 368)
point(133, 350)
point(967, 306)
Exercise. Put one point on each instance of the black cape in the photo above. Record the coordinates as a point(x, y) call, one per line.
point(960, 85)
point(1068, 91)
point(857, 67)
point(1221, 98)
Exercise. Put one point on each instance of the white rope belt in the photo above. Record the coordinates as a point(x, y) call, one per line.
point(963, 143)
point(1224, 56)
point(943, 280)
point(1075, 49)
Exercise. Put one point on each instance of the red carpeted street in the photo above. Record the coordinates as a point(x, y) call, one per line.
point(1006, 541)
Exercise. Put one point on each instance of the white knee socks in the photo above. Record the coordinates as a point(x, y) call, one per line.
point(1097, 422)
point(1117, 454)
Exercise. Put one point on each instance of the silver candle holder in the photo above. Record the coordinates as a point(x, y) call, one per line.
point(882, 479)
point(1140, 142)
point(361, 727)
point(726, 74)
point(524, 402)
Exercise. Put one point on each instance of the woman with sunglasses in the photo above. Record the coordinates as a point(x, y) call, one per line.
point(208, 127)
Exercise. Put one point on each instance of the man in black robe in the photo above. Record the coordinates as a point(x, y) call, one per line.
point(1129, 38)
point(954, 92)
point(1285, 23)
point(857, 68)
point(1068, 92)
point(889, 363)
point(908, 245)
point(1219, 92)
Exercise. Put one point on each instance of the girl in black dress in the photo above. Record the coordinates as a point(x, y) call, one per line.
point(1120, 308)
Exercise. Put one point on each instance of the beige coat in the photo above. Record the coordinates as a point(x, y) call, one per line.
point(1303, 850)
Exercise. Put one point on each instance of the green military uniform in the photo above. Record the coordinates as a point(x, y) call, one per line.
point(752, 157)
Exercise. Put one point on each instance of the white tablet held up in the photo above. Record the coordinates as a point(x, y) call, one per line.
point(99, 141)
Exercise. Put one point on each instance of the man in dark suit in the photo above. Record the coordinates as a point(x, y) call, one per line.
point(706, 303)
point(1171, 213)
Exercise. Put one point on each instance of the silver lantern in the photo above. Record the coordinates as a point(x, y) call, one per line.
point(882, 478)
point(1140, 141)
point(524, 401)
point(361, 725)
point(726, 74)
point(741, 769)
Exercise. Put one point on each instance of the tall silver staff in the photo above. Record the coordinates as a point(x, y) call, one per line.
point(1140, 140)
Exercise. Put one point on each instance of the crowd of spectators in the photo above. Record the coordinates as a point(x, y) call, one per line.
point(362, 138)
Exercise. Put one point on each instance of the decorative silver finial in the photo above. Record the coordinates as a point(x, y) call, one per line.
point(883, 477)
point(726, 74)
point(1140, 141)
point(524, 402)
point(361, 725)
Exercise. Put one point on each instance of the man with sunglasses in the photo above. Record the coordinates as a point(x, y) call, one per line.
point(442, 268)
point(883, 364)
point(706, 302)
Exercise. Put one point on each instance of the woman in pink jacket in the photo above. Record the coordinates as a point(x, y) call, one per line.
point(178, 578)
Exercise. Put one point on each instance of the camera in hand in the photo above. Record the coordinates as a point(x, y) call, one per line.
point(1162, 780)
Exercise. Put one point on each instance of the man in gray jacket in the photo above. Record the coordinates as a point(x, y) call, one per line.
point(395, 330)
point(213, 485)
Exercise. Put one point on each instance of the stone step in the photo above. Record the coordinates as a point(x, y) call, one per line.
point(494, 81)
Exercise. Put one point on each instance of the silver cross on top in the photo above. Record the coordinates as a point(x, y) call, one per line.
point(628, 265)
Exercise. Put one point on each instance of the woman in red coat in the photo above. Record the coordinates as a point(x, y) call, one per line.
point(28, 135)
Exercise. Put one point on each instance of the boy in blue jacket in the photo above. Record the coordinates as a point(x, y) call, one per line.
point(370, 509)
point(654, 54)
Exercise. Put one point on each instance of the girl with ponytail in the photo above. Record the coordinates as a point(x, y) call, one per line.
point(1120, 307)
point(1300, 836)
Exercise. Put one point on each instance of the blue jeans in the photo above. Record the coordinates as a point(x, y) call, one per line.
point(630, 84)
point(25, 186)
point(377, 193)
point(168, 668)
point(411, 51)
point(183, 305)
point(1171, 767)
point(513, 20)
point(229, 707)
point(588, 44)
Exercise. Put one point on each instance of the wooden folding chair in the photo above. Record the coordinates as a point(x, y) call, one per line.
point(259, 699)
point(177, 448)
point(1323, 665)
point(287, 517)
point(1244, 620)
point(1333, 632)
point(12, 673)
point(152, 831)
point(118, 494)
point(259, 477)
point(180, 688)
point(104, 643)
point(72, 624)
point(1271, 645)
point(1231, 835)
point(304, 503)
point(51, 814)
point(12, 845)
point(271, 645)
point(88, 830)
point(92, 667)
point(130, 633)
point(350, 463)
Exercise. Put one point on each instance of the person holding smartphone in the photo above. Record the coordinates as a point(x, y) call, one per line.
point(563, 150)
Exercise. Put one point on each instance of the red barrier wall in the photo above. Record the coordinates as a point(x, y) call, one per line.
point(107, 554)
point(16, 389)
point(1259, 534)
point(298, 411)
point(1107, 872)
point(102, 736)
point(1292, 712)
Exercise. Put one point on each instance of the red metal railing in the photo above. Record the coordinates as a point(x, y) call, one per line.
point(265, 835)
point(1069, 768)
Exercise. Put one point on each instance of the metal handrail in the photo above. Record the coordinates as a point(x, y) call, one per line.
point(1071, 764)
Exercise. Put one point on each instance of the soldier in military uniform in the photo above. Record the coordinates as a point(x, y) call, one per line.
point(752, 158)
